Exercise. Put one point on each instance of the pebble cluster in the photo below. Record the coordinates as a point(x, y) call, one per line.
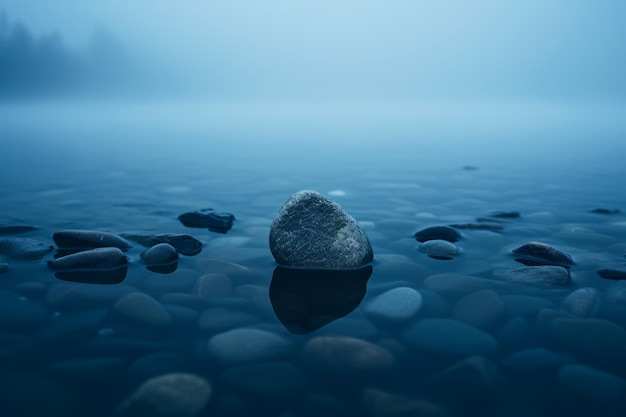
point(438, 329)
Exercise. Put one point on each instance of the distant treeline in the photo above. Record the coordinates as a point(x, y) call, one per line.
point(36, 66)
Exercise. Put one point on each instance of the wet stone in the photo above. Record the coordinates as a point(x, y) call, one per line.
point(208, 219)
point(248, 345)
point(449, 337)
point(160, 254)
point(505, 214)
point(534, 360)
point(438, 233)
point(100, 259)
point(344, 356)
point(139, 308)
point(387, 404)
point(397, 304)
point(491, 227)
point(13, 229)
point(213, 285)
point(584, 302)
point(614, 270)
point(439, 249)
point(480, 309)
point(184, 244)
point(274, 381)
point(171, 395)
point(311, 230)
point(24, 248)
point(89, 239)
point(4, 268)
point(592, 383)
point(542, 276)
point(537, 253)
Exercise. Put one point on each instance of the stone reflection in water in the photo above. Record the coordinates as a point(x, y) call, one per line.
point(110, 277)
point(305, 300)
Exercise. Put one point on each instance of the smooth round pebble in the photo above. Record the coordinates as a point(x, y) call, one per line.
point(438, 233)
point(400, 303)
point(140, 308)
point(439, 249)
point(248, 345)
point(213, 285)
point(171, 395)
point(89, 239)
point(538, 253)
point(547, 276)
point(584, 302)
point(480, 309)
point(449, 337)
point(274, 380)
point(160, 254)
point(592, 383)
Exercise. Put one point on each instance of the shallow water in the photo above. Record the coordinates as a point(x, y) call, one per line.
point(69, 348)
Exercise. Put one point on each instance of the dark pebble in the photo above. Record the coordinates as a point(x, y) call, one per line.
point(614, 271)
point(100, 259)
point(209, 219)
point(604, 211)
point(478, 226)
point(438, 232)
point(11, 229)
point(505, 214)
point(160, 254)
point(88, 239)
point(537, 253)
point(184, 244)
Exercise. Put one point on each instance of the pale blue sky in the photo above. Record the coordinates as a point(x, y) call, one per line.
point(402, 49)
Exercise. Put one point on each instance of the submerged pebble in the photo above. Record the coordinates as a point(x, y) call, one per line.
point(584, 302)
point(139, 308)
point(248, 345)
point(170, 395)
point(449, 337)
point(399, 304)
point(480, 309)
point(24, 248)
point(615, 270)
point(274, 381)
point(160, 254)
point(311, 230)
point(592, 383)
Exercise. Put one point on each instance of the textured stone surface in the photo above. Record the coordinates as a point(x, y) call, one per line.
point(100, 259)
point(584, 302)
point(439, 249)
point(209, 219)
point(311, 230)
point(542, 276)
point(184, 244)
point(86, 239)
point(537, 253)
point(400, 303)
point(174, 395)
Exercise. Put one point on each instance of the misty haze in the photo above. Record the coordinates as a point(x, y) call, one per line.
point(342, 208)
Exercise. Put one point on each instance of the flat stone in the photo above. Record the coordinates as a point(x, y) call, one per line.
point(449, 337)
point(100, 259)
point(595, 338)
point(505, 214)
point(21, 314)
point(140, 308)
point(546, 276)
point(344, 356)
point(4, 268)
point(208, 219)
point(524, 305)
point(452, 285)
point(311, 230)
point(380, 403)
point(24, 248)
point(213, 285)
point(584, 302)
point(613, 270)
point(480, 309)
point(605, 211)
point(184, 244)
point(535, 360)
point(398, 304)
point(272, 380)
point(171, 395)
point(248, 345)
point(14, 229)
point(89, 239)
point(439, 249)
point(160, 254)
point(592, 383)
point(537, 253)
point(438, 233)
point(491, 227)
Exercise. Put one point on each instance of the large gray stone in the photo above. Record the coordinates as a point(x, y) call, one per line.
point(87, 239)
point(311, 230)
point(548, 276)
point(99, 259)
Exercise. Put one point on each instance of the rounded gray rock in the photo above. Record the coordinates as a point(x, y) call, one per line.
point(311, 230)
point(100, 259)
point(584, 302)
point(87, 239)
point(175, 395)
point(159, 254)
point(400, 303)
point(450, 337)
point(537, 253)
point(548, 276)
point(439, 249)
